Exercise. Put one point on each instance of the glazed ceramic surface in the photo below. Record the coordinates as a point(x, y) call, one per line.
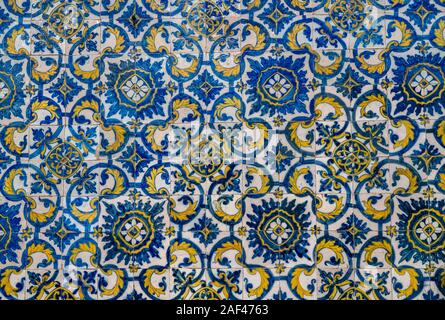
point(222, 149)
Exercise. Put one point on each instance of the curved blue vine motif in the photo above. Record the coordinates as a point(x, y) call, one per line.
point(222, 149)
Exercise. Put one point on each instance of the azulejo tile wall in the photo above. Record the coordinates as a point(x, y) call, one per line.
point(222, 149)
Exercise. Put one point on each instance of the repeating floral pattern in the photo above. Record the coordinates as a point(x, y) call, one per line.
point(222, 149)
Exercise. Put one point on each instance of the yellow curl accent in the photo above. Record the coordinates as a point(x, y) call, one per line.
point(87, 105)
point(152, 289)
point(409, 132)
point(44, 105)
point(373, 68)
point(184, 104)
point(151, 41)
point(439, 38)
point(296, 284)
point(227, 72)
point(264, 283)
point(254, 4)
point(329, 245)
point(93, 74)
point(301, 4)
point(10, 43)
point(228, 103)
point(39, 248)
point(292, 36)
point(183, 215)
point(84, 247)
point(260, 141)
point(150, 136)
point(260, 40)
point(119, 136)
point(6, 284)
point(183, 246)
point(333, 102)
point(413, 182)
point(115, 6)
point(375, 245)
point(184, 72)
point(442, 180)
point(86, 215)
point(264, 182)
point(151, 181)
point(9, 139)
point(370, 99)
point(227, 246)
point(293, 182)
point(118, 286)
point(120, 41)
point(295, 137)
point(40, 216)
point(155, 6)
point(327, 70)
point(42, 75)
point(15, 7)
point(406, 35)
point(325, 216)
point(413, 282)
point(118, 185)
point(226, 217)
point(8, 182)
point(378, 214)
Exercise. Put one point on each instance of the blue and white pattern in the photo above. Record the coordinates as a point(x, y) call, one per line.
point(222, 149)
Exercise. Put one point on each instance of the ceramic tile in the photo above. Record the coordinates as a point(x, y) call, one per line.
point(222, 149)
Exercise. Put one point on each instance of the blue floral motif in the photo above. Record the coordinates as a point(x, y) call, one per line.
point(9, 233)
point(138, 89)
point(134, 295)
point(205, 87)
point(354, 231)
point(276, 16)
point(277, 86)
point(5, 20)
point(65, 89)
point(350, 83)
point(205, 230)
point(278, 230)
point(133, 231)
point(4, 160)
point(280, 158)
point(135, 158)
point(421, 231)
point(371, 35)
point(427, 157)
point(11, 98)
point(422, 12)
point(62, 233)
point(135, 19)
point(419, 84)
